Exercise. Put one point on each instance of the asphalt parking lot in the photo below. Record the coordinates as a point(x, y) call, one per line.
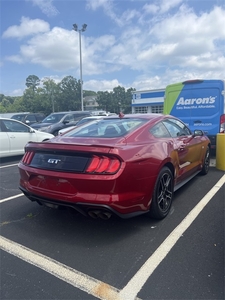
point(59, 254)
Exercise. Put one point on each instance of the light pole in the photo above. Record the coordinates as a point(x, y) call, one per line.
point(75, 27)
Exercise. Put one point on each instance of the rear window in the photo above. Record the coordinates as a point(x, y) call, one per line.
point(18, 117)
point(106, 128)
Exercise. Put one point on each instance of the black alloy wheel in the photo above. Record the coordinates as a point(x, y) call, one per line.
point(206, 163)
point(162, 194)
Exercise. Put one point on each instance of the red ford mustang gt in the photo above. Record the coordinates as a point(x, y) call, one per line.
point(124, 165)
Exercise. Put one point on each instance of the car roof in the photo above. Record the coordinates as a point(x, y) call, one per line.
point(142, 116)
point(70, 112)
point(93, 117)
point(13, 120)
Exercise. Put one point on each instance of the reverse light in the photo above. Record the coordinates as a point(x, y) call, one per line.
point(103, 165)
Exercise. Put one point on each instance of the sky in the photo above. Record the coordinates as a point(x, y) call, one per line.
point(130, 43)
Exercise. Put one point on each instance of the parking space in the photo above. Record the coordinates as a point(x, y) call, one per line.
point(59, 254)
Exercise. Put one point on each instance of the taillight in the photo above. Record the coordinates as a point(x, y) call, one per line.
point(103, 165)
point(27, 158)
point(222, 123)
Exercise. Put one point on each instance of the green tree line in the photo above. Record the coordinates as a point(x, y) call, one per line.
point(63, 96)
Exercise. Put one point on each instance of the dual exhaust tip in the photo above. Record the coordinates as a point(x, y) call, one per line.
point(95, 214)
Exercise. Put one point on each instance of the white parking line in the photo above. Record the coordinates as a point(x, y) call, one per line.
point(75, 278)
point(7, 166)
point(98, 288)
point(11, 198)
point(131, 290)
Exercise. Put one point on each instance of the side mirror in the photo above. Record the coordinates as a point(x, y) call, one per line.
point(27, 122)
point(198, 133)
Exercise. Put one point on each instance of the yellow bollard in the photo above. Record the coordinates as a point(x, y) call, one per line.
point(220, 151)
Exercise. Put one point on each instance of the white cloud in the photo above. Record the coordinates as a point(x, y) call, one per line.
point(148, 82)
point(161, 7)
point(158, 50)
point(15, 58)
point(46, 7)
point(151, 8)
point(168, 5)
point(95, 4)
point(178, 40)
point(185, 24)
point(108, 8)
point(27, 27)
point(101, 85)
point(17, 92)
point(49, 49)
point(130, 15)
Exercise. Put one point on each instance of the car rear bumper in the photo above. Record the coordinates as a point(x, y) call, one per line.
point(86, 209)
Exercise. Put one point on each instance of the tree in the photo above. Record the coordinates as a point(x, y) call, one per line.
point(70, 97)
point(51, 90)
point(32, 82)
point(104, 100)
point(88, 93)
point(1, 97)
point(127, 103)
point(117, 100)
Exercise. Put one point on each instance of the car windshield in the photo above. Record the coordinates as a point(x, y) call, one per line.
point(107, 128)
point(53, 118)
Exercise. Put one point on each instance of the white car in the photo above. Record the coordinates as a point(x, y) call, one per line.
point(81, 122)
point(14, 135)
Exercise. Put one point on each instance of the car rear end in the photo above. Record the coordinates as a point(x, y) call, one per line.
point(88, 174)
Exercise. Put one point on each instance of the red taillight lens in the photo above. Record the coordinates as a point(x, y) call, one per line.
point(27, 158)
point(103, 165)
point(94, 164)
point(222, 123)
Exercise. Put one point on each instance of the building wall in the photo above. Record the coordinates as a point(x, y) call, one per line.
point(148, 101)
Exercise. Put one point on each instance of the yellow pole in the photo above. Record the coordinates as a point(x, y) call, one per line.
point(220, 151)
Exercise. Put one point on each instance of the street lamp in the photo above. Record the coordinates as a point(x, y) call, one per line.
point(75, 27)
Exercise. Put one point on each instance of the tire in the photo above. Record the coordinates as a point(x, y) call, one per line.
point(162, 194)
point(206, 163)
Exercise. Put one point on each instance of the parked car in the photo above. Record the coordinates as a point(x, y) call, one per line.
point(125, 165)
point(80, 122)
point(14, 135)
point(28, 118)
point(102, 113)
point(56, 121)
